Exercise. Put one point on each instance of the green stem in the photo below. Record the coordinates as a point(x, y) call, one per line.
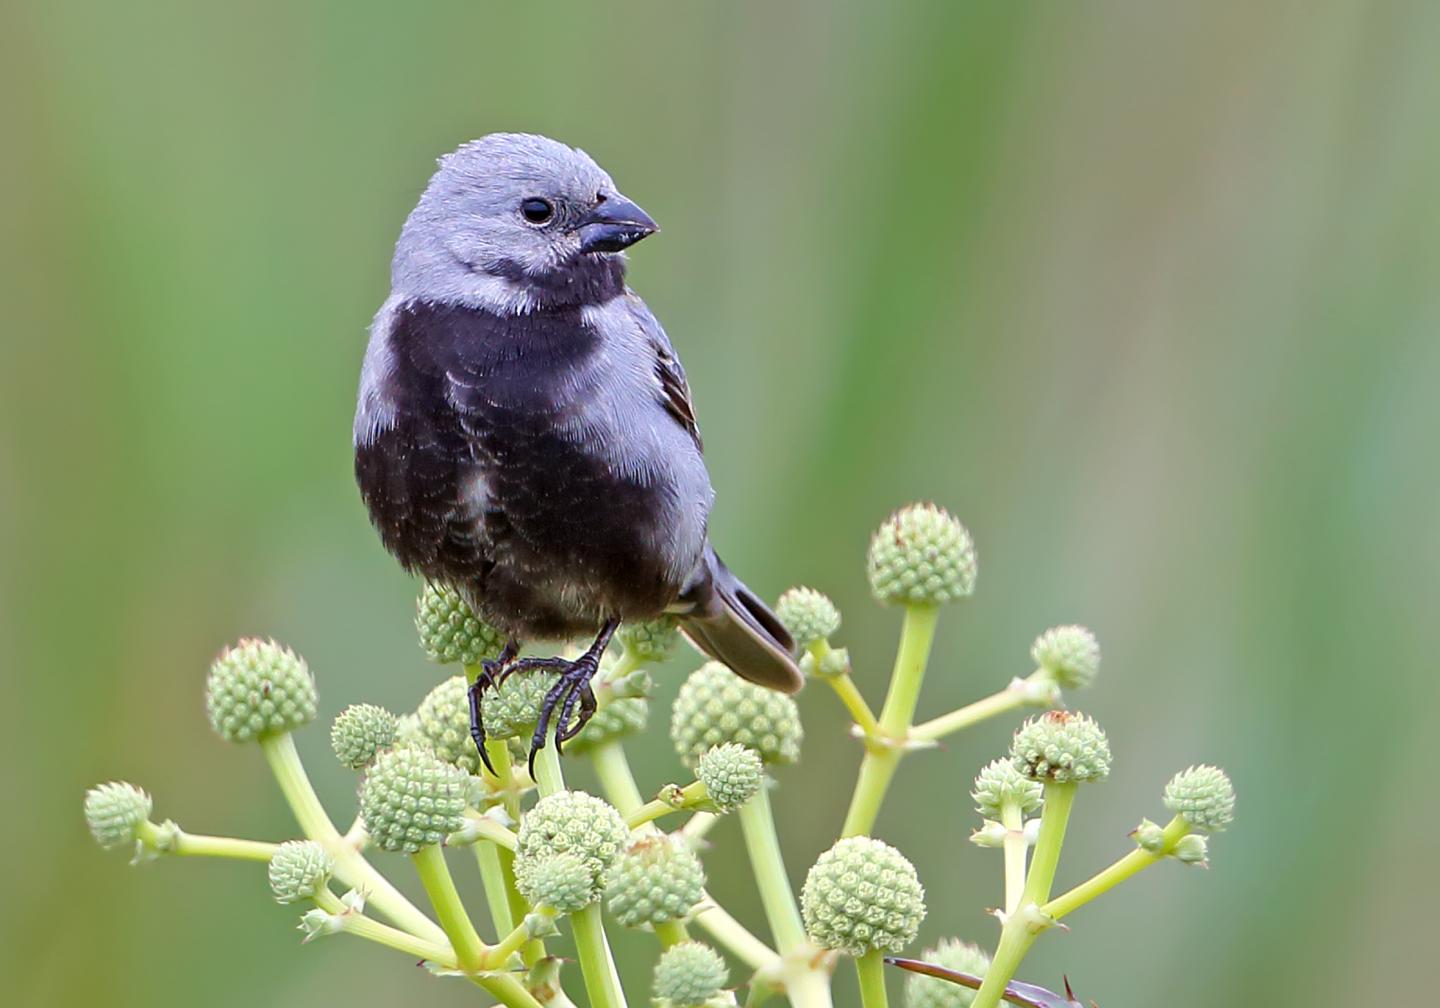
point(435, 876)
point(1131, 864)
point(647, 813)
point(497, 897)
point(726, 930)
point(1001, 702)
point(602, 984)
point(383, 934)
point(1014, 848)
point(488, 829)
point(535, 948)
point(351, 867)
point(171, 839)
point(616, 780)
point(548, 776)
point(881, 759)
point(757, 823)
point(671, 933)
point(854, 702)
point(497, 955)
point(1015, 940)
point(871, 969)
point(698, 825)
point(1059, 799)
point(507, 990)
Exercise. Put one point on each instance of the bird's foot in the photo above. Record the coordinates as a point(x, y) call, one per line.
point(492, 673)
point(570, 689)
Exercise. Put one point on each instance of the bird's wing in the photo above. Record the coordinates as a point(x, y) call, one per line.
point(674, 389)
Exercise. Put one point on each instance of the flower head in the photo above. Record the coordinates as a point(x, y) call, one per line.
point(298, 870)
point(412, 799)
point(1068, 654)
point(999, 783)
point(442, 723)
point(560, 880)
point(656, 880)
point(620, 718)
point(931, 992)
point(360, 732)
point(921, 556)
point(716, 706)
point(650, 642)
point(862, 894)
point(808, 615)
point(576, 823)
point(1061, 746)
point(258, 688)
point(449, 631)
point(1203, 796)
point(115, 811)
point(689, 975)
point(731, 773)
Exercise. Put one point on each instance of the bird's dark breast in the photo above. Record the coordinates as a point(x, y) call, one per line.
point(476, 483)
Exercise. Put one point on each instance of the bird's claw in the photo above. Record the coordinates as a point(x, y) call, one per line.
point(573, 686)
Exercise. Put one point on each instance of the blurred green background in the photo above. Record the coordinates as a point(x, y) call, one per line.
point(1148, 297)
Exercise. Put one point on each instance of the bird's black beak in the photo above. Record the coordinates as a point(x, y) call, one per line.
point(614, 224)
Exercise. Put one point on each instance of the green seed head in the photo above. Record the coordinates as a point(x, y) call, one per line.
point(412, 799)
point(115, 811)
point(512, 708)
point(1070, 654)
point(808, 615)
point(862, 894)
point(360, 732)
point(560, 881)
point(1203, 796)
point(731, 773)
point(618, 719)
point(656, 880)
point(650, 642)
point(576, 823)
point(442, 723)
point(258, 688)
point(999, 783)
point(932, 992)
point(921, 556)
point(1061, 746)
point(716, 706)
point(298, 869)
point(689, 975)
point(449, 632)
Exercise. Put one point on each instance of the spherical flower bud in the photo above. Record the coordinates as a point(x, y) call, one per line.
point(1193, 849)
point(731, 773)
point(258, 688)
point(931, 992)
point(651, 641)
point(442, 724)
point(361, 731)
point(656, 880)
point(715, 706)
point(412, 799)
point(298, 869)
point(1061, 746)
point(560, 881)
point(576, 823)
point(1203, 796)
point(689, 975)
point(921, 556)
point(512, 708)
point(999, 783)
point(115, 811)
point(862, 894)
point(808, 615)
point(618, 719)
point(1069, 654)
point(449, 631)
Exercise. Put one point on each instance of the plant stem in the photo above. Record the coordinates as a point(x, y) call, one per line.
point(757, 823)
point(488, 829)
point(1131, 864)
point(602, 984)
point(726, 930)
point(871, 969)
point(497, 898)
point(881, 759)
point(508, 990)
point(671, 933)
point(616, 780)
point(435, 875)
point(1015, 940)
point(350, 866)
point(698, 825)
point(647, 813)
point(370, 929)
point(1001, 702)
point(548, 777)
point(1015, 849)
point(171, 839)
point(854, 702)
point(515, 939)
point(1059, 798)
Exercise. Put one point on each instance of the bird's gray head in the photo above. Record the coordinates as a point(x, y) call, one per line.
point(512, 218)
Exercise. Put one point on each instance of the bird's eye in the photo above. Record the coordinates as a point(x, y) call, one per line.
point(536, 210)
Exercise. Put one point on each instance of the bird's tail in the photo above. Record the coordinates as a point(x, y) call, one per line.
point(731, 624)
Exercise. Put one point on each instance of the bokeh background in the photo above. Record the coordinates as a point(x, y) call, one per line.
point(1148, 296)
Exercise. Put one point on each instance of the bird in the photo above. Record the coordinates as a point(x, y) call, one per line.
point(524, 431)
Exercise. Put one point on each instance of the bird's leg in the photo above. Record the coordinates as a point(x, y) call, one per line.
point(490, 670)
point(574, 681)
